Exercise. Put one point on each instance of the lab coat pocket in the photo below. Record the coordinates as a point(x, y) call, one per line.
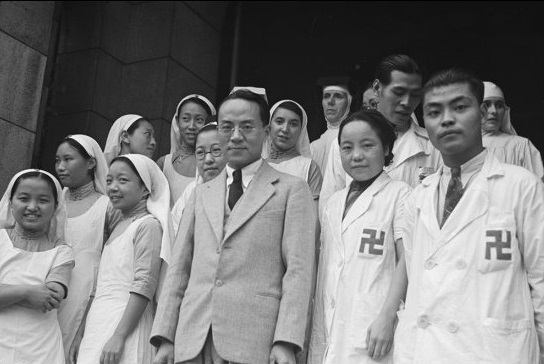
point(508, 341)
point(498, 246)
point(372, 243)
point(365, 311)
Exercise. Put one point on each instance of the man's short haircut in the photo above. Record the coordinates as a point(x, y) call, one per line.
point(379, 124)
point(249, 96)
point(454, 76)
point(396, 62)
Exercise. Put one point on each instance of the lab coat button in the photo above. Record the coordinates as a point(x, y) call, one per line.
point(333, 303)
point(339, 264)
point(218, 283)
point(460, 264)
point(453, 327)
point(423, 322)
point(218, 251)
point(429, 265)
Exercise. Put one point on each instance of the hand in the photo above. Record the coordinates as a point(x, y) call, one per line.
point(57, 289)
point(40, 297)
point(282, 353)
point(113, 350)
point(74, 349)
point(379, 338)
point(165, 354)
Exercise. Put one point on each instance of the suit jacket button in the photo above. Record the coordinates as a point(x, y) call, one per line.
point(218, 283)
point(218, 251)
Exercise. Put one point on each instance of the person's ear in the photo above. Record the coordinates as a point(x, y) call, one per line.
point(483, 113)
point(125, 137)
point(376, 87)
point(91, 163)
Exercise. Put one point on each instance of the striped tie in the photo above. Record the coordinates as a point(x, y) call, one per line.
point(453, 194)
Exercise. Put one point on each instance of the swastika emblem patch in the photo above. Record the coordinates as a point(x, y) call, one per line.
point(499, 242)
point(374, 239)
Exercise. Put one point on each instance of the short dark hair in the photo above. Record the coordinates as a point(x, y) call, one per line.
point(250, 96)
point(195, 100)
point(379, 124)
point(396, 62)
point(291, 106)
point(456, 75)
point(39, 175)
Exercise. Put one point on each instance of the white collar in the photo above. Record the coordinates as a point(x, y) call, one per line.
point(248, 172)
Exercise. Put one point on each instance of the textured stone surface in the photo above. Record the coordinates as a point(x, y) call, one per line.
point(80, 26)
point(195, 44)
point(16, 150)
point(143, 88)
point(150, 30)
point(21, 79)
point(179, 84)
point(98, 127)
point(28, 21)
point(74, 81)
point(108, 89)
point(115, 28)
point(212, 11)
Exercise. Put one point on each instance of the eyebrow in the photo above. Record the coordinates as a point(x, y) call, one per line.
point(457, 99)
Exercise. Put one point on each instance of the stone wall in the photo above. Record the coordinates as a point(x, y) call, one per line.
point(130, 57)
point(25, 34)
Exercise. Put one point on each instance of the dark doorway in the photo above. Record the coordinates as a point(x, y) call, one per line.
point(286, 46)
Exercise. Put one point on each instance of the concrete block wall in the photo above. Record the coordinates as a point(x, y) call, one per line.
point(25, 33)
point(127, 57)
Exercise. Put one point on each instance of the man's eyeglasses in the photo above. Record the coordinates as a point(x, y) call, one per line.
point(245, 130)
point(215, 151)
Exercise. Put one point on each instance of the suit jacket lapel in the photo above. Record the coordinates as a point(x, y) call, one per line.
point(258, 192)
point(213, 200)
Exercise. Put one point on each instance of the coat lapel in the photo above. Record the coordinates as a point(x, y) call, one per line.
point(360, 206)
point(257, 194)
point(213, 200)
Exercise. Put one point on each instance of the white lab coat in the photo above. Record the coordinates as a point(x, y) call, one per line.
point(470, 300)
point(355, 270)
point(414, 158)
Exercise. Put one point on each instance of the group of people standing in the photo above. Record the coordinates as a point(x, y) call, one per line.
point(382, 241)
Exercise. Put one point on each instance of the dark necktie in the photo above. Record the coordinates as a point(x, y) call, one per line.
point(236, 189)
point(453, 194)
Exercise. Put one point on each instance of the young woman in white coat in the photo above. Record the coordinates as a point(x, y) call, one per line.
point(35, 267)
point(361, 244)
point(120, 318)
point(81, 168)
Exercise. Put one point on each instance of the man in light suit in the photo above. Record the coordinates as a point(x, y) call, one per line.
point(238, 287)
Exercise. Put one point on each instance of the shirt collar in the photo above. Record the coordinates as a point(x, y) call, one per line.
point(472, 165)
point(247, 172)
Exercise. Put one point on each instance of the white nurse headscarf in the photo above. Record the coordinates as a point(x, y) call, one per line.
point(58, 222)
point(344, 90)
point(256, 90)
point(158, 201)
point(492, 91)
point(93, 149)
point(303, 143)
point(175, 138)
point(113, 143)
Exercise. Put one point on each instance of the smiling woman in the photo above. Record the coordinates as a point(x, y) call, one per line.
point(35, 266)
point(179, 167)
